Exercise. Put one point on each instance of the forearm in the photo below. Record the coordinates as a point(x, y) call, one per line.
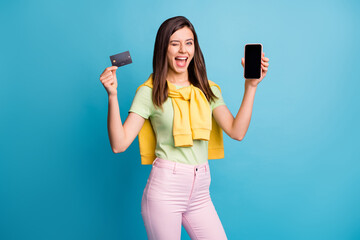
point(115, 128)
point(242, 120)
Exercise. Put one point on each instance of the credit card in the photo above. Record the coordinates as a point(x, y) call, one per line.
point(121, 59)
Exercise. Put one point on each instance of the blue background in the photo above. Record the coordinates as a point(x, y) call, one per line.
point(295, 175)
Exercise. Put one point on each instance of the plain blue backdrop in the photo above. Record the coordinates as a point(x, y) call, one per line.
point(295, 175)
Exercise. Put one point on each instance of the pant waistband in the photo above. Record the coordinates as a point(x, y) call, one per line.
point(176, 166)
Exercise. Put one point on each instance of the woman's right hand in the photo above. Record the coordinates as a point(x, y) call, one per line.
point(109, 80)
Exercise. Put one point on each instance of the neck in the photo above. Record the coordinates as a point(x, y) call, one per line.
point(178, 78)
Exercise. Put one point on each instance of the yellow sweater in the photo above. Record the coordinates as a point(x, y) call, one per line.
point(192, 120)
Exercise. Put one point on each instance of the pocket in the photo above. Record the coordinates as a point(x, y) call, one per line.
point(165, 185)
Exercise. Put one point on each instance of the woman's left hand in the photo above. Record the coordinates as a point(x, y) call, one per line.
point(264, 69)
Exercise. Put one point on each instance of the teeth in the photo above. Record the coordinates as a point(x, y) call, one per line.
point(181, 58)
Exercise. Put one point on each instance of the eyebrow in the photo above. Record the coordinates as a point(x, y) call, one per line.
point(179, 41)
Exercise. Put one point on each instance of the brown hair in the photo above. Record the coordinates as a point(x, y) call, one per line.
point(196, 68)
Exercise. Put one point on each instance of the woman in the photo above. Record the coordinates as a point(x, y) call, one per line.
point(179, 101)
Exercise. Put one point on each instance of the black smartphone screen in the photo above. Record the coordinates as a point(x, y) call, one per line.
point(252, 61)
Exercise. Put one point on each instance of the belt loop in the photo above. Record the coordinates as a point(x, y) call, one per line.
point(174, 167)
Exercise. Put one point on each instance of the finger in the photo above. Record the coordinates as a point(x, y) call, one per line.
point(108, 69)
point(112, 68)
point(265, 59)
point(107, 73)
point(103, 76)
point(106, 79)
point(109, 79)
point(264, 68)
point(265, 64)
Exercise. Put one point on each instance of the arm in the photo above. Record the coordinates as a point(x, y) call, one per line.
point(237, 128)
point(121, 136)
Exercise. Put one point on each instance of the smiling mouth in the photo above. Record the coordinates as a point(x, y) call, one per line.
point(181, 61)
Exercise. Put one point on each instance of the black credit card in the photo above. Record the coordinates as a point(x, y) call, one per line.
point(121, 59)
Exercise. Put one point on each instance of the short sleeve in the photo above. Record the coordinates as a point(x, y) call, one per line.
point(142, 103)
point(219, 101)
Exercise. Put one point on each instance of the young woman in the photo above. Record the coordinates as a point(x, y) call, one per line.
point(184, 109)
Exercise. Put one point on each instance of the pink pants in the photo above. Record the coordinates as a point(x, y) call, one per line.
point(178, 194)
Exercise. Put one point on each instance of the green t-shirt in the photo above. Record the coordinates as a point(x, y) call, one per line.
point(162, 123)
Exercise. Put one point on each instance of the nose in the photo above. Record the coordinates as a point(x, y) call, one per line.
point(182, 48)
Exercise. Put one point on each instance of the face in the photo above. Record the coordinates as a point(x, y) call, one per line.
point(181, 50)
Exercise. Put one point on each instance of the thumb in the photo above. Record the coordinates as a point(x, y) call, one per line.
point(113, 68)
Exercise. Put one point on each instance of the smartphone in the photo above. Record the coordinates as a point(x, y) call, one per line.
point(252, 66)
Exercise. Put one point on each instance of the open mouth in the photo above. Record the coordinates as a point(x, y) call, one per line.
point(181, 61)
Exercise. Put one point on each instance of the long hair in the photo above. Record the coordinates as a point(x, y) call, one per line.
point(196, 69)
